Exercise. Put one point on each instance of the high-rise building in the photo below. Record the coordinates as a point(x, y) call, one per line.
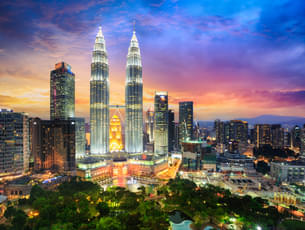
point(99, 98)
point(80, 137)
point(62, 92)
point(186, 120)
point(238, 131)
point(14, 142)
point(277, 136)
point(115, 134)
point(53, 145)
point(161, 123)
point(171, 130)
point(295, 137)
point(302, 142)
point(149, 125)
point(219, 131)
point(262, 135)
point(176, 146)
point(134, 99)
point(228, 131)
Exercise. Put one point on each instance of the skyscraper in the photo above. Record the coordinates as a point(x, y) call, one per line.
point(14, 142)
point(53, 145)
point(171, 130)
point(80, 137)
point(295, 137)
point(134, 99)
point(238, 131)
point(99, 97)
point(262, 135)
point(277, 136)
point(149, 123)
point(62, 92)
point(186, 120)
point(161, 123)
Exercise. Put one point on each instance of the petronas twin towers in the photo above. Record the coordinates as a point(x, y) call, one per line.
point(99, 98)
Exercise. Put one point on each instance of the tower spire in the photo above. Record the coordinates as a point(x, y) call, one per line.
point(134, 26)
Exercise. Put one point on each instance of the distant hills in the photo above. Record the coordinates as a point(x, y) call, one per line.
point(274, 119)
point(285, 121)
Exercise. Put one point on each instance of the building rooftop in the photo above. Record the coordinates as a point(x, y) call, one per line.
point(292, 163)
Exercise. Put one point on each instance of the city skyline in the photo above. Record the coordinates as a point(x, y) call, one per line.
point(202, 62)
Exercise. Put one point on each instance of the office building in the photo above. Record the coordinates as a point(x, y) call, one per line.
point(134, 99)
point(14, 143)
point(99, 98)
point(161, 123)
point(80, 137)
point(262, 135)
point(238, 131)
point(277, 136)
point(149, 125)
point(171, 130)
point(292, 171)
point(53, 145)
point(186, 120)
point(295, 137)
point(62, 92)
point(302, 144)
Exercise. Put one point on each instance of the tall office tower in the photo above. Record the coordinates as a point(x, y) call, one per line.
point(161, 123)
point(218, 127)
point(134, 99)
point(295, 137)
point(80, 137)
point(277, 136)
point(53, 145)
point(62, 92)
point(149, 125)
point(171, 130)
point(302, 140)
point(99, 98)
point(238, 131)
point(287, 139)
point(14, 143)
point(262, 135)
point(186, 120)
point(176, 146)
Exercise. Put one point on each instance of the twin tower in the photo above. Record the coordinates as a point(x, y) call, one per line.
point(99, 98)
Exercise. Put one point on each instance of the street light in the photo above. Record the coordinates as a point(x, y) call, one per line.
point(258, 228)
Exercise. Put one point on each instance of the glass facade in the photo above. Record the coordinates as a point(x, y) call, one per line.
point(62, 92)
point(186, 120)
point(14, 143)
point(171, 130)
point(80, 137)
point(149, 123)
point(53, 145)
point(161, 123)
point(99, 98)
point(134, 99)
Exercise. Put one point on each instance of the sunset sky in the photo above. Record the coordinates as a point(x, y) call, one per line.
point(233, 58)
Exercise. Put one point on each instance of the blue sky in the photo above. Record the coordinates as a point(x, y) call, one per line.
point(233, 58)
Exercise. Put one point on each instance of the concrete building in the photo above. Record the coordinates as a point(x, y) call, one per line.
point(53, 145)
point(293, 171)
point(62, 92)
point(161, 123)
point(14, 143)
point(186, 120)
